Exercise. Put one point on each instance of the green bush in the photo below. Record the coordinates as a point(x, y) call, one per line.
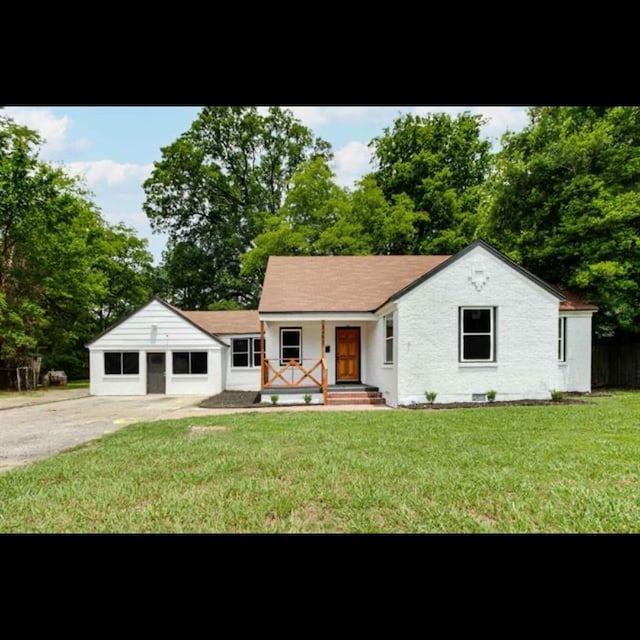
point(274, 398)
point(430, 396)
point(556, 396)
point(491, 395)
point(307, 398)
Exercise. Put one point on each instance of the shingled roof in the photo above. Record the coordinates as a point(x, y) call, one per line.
point(224, 322)
point(363, 283)
point(338, 283)
point(573, 302)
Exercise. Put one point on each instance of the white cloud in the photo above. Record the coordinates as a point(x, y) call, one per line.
point(351, 162)
point(53, 129)
point(109, 172)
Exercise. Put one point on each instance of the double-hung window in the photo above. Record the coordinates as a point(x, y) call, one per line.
point(245, 353)
point(562, 339)
point(477, 334)
point(388, 339)
point(290, 345)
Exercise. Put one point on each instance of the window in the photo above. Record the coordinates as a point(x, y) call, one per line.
point(477, 335)
point(245, 352)
point(290, 345)
point(119, 363)
point(190, 362)
point(562, 339)
point(388, 339)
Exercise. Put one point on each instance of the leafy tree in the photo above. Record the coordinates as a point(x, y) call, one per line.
point(212, 190)
point(565, 201)
point(313, 205)
point(64, 273)
point(437, 164)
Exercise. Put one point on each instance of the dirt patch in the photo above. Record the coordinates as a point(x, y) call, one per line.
point(232, 399)
point(216, 428)
point(484, 405)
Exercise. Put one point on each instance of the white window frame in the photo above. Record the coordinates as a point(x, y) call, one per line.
point(386, 338)
point(122, 373)
point(189, 373)
point(491, 334)
point(291, 329)
point(254, 348)
point(562, 339)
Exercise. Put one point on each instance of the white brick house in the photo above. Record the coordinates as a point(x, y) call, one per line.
point(387, 326)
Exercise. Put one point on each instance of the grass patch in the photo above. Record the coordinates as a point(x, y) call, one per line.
point(565, 468)
point(75, 384)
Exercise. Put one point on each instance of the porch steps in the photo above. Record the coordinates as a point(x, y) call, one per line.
point(355, 397)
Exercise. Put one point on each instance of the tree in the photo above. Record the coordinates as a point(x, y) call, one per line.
point(314, 204)
point(437, 164)
point(214, 187)
point(64, 272)
point(565, 201)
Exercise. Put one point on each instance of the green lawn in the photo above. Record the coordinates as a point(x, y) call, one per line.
point(549, 468)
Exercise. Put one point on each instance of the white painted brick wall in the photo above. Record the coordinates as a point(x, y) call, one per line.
point(526, 335)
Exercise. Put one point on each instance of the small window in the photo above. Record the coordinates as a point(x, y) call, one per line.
point(256, 351)
point(245, 352)
point(477, 335)
point(562, 339)
point(388, 339)
point(290, 345)
point(119, 363)
point(190, 362)
point(240, 352)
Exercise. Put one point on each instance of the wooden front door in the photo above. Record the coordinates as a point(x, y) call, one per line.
point(155, 373)
point(348, 354)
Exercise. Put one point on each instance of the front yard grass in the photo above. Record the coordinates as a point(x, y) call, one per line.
point(512, 469)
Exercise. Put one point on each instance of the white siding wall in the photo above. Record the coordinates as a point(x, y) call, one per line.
point(383, 376)
point(311, 348)
point(241, 379)
point(526, 335)
point(575, 375)
point(171, 333)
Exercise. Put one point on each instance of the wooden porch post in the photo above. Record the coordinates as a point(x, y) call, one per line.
point(325, 375)
point(262, 363)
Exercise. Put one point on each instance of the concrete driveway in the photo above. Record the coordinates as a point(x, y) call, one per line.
point(38, 431)
point(50, 424)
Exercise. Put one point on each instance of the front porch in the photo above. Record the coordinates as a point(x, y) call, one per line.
point(327, 359)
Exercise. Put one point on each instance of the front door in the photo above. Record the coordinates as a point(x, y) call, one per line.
point(348, 354)
point(155, 373)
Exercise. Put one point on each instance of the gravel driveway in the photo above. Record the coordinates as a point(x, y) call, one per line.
point(40, 430)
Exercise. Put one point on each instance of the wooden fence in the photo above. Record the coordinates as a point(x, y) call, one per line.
point(615, 365)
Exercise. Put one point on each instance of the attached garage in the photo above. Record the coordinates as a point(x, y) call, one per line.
point(157, 349)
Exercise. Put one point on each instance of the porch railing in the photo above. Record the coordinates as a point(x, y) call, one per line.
point(306, 373)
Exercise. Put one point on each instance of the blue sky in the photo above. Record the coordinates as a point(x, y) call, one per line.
point(113, 148)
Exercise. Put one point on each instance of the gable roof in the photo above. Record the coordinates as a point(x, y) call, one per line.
point(223, 322)
point(463, 252)
point(164, 303)
point(338, 283)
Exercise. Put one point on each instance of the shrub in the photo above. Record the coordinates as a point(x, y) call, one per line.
point(556, 396)
point(307, 398)
point(430, 396)
point(274, 399)
point(491, 395)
